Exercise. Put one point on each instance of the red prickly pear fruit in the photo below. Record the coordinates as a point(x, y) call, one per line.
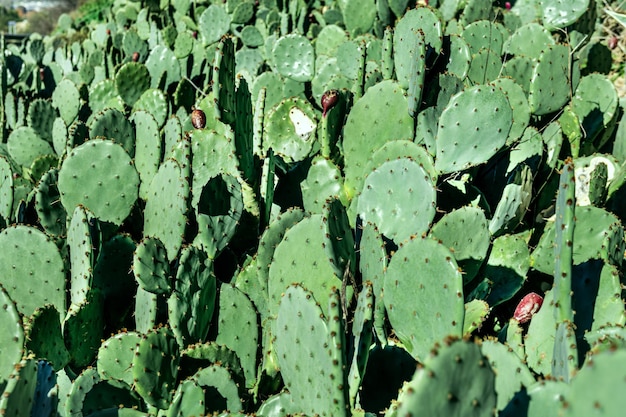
point(329, 99)
point(194, 34)
point(135, 56)
point(507, 5)
point(527, 307)
point(108, 31)
point(198, 119)
point(612, 42)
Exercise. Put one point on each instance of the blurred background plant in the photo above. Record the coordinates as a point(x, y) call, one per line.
point(614, 31)
point(42, 16)
point(7, 15)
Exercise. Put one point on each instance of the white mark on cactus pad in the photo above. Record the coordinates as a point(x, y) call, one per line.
point(583, 178)
point(303, 125)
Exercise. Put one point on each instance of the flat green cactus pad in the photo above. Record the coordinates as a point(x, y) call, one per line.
point(99, 175)
point(472, 128)
point(27, 252)
point(423, 295)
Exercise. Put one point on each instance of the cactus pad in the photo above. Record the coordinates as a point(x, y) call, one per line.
point(456, 380)
point(399, 198)
point(294, 57)
point(99, 175)
point(305, 349)
point(167, 200)
point(13, 345)
point(472, 128)
point(28, 252)
point(155, 367)
point(291, 129)
point(423, 294)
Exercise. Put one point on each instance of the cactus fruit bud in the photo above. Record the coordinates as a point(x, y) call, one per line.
point(507, 5)
point(329, 99)
point(135, 56)
point(198, 119)
point(527, 307)
point(612, 42)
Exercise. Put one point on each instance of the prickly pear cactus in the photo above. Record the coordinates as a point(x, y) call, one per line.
point(281, 208)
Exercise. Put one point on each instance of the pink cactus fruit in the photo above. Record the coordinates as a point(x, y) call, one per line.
point(612, 42)
point(329, 99)
point(527, 307)
point(507, 5)
point(198, 119)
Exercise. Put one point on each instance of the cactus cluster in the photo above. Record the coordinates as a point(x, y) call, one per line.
point(333, 208)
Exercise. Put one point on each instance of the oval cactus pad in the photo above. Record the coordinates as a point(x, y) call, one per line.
point(32, 269)
point(423, 295)
point(99, 175)
point(399, 198)
point(291, 127)
point(472, 128)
